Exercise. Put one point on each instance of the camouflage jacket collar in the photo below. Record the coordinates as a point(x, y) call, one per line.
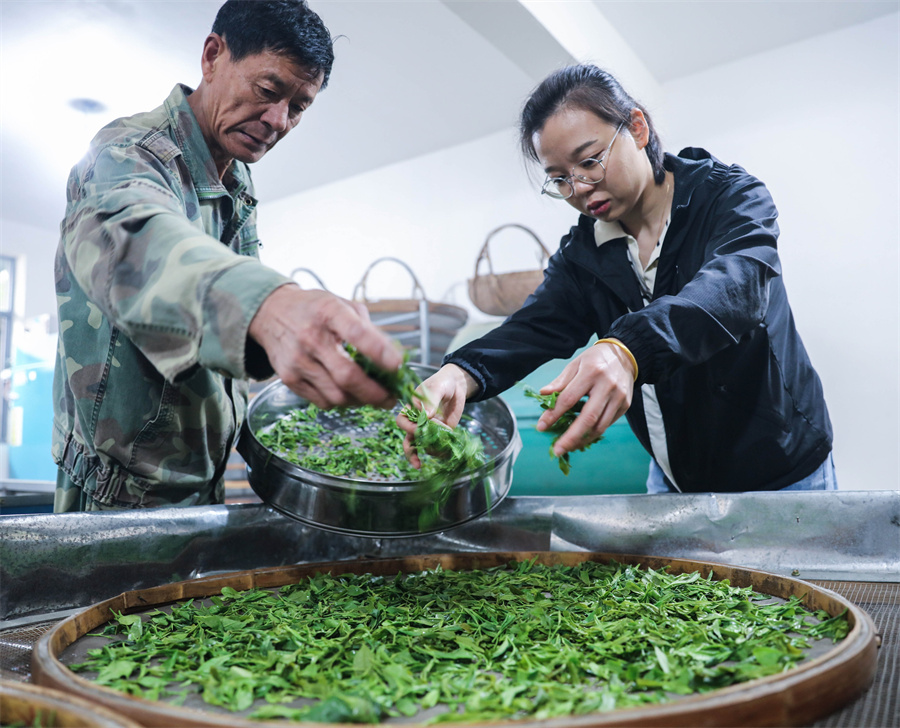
point(193, 146)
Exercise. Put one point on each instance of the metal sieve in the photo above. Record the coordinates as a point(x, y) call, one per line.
point(376, 506)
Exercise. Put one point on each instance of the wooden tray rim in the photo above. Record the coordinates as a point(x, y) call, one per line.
point(763, 701)
point(70, 709)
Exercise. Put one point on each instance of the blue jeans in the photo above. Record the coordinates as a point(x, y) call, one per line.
point(823, 478)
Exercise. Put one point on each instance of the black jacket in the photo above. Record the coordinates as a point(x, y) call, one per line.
point(742, 405)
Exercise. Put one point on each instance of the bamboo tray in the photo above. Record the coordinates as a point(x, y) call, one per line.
point(800, 696)
point(33, 705)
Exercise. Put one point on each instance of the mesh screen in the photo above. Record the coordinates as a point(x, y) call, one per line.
point(879, 705)
point(15, 650)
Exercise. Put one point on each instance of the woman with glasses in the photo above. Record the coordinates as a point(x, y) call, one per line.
point(673, 264)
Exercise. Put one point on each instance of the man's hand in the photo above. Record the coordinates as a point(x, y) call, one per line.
point(303, 333)
point(443, 396)
point(605, 374)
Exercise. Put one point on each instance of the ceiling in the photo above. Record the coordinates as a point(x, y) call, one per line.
point(410, 77)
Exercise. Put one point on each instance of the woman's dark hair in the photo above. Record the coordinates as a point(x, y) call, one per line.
point(591, 89)
point(281, 26)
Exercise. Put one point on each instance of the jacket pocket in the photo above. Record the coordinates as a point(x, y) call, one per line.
point(152, 443)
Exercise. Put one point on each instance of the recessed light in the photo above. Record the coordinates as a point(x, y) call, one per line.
point(87, 106)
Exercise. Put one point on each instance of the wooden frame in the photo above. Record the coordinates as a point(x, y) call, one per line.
point(33, 705)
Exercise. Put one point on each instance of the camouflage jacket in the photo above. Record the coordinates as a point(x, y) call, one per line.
point(157, 279)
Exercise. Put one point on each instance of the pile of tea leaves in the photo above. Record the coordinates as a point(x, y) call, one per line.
point(306, 437)
point(520, 641)
point(302, 437)
point(446, 453)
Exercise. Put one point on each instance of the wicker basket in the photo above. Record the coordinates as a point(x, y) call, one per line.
point(312, 274)
point(501, 294)
point(423, 326)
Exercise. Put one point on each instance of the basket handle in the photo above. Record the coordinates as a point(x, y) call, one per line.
point(359, 291)
point(485, 253)
point(311, 274)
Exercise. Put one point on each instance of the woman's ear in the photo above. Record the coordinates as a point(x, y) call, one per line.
point(638, 128)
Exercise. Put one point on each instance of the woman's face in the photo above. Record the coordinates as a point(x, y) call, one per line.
point(572, 135)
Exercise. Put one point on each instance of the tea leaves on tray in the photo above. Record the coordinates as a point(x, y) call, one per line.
point(522, 641)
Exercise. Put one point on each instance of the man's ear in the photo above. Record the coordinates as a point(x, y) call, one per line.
point(638, 128)
point(214, 51)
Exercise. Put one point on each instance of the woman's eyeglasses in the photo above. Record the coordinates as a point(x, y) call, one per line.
point(590, 171)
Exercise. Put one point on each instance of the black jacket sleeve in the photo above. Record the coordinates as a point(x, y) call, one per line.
point(554, 322)
point(727, 247)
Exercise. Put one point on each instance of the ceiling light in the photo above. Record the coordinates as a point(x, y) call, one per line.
point(87, 106)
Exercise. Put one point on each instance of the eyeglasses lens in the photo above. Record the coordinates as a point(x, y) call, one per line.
point(558, 188)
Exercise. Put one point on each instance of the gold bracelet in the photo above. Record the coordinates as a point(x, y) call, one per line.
point(616, 342)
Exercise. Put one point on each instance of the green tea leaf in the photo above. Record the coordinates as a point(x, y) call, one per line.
point(558, 428)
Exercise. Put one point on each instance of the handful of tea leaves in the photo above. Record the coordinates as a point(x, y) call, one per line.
point(400, 384)
point(548, 402)
point(456, 451)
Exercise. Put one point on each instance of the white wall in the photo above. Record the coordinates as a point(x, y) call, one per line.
point(817, 121)
point(433, 212)
point(33, 249)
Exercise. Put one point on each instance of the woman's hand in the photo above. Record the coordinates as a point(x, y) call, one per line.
point(443, 396)
point(606, 375)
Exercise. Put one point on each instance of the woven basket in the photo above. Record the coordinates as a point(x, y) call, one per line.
point(501, 294)
point(311, 274)
point(425, 327)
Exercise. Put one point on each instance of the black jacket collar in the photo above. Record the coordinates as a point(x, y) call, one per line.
point(609, 262)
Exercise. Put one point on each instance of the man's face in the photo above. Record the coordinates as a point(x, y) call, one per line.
point(249, 105)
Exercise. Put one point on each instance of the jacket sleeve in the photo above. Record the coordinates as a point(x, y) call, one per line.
point(181, 296)
point(728, 296)
point(553, 323)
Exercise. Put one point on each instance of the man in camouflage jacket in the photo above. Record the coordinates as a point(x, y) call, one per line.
point(164, 308)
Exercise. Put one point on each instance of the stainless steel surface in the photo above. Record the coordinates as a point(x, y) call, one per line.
point(376, 506)
point(849, 535)
point(53, 562)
